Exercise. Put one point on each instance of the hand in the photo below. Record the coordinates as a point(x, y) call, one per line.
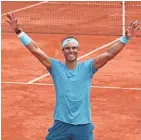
point(132, 29)
point(12, 21)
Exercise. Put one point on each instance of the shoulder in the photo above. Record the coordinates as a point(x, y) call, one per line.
point(56, 67)
point(88, 66)
point(56, 62)
point(87, 63)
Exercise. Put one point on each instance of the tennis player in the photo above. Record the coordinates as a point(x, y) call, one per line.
point(72, 80)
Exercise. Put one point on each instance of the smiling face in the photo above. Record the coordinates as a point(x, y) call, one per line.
point(70, 52)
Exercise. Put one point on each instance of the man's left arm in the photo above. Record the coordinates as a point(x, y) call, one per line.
point(102, 59)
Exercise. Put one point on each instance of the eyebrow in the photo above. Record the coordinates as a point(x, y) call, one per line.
point(70, 47)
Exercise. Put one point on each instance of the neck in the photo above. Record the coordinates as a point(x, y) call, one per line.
point(71, 65)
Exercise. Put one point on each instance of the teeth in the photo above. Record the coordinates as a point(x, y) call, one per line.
point(71, 55)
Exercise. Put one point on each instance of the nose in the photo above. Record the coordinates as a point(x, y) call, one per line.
point(71, 50)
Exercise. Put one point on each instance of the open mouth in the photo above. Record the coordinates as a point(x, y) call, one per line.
point(71, 55)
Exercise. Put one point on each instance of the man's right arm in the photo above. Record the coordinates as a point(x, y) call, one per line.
point(28, 42)
point(39, 54)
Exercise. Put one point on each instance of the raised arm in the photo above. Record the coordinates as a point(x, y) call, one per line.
point(28, 42)
point(102, 59)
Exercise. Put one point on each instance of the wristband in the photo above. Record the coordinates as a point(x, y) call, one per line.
point(24, 38)
point(18, 31)
point(124, 39)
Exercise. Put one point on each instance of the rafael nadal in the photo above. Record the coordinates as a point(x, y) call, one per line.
point(72, 80)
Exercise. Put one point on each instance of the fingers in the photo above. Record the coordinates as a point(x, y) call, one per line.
point(11, 15)
point(8, 21)
point(132, 29)
point(11, 18)
point(131, 23)
point(137, 29)
point(134, 24)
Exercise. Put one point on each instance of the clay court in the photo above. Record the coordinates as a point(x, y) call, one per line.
point(28, 94)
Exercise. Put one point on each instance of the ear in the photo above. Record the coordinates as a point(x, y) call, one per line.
point(78, 49)
point(63, 51)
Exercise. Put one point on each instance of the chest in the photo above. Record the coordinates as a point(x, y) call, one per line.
point(76, 76)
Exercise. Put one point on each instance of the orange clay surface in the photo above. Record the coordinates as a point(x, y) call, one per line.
point(27, 110)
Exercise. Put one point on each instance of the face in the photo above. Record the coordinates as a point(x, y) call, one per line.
point(70, 52)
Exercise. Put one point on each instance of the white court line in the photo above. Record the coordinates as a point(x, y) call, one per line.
point(45, 84)
point(24, 8)
point(87, 54)
point(38, 78)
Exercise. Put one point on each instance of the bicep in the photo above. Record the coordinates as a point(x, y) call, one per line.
point(101, 60)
